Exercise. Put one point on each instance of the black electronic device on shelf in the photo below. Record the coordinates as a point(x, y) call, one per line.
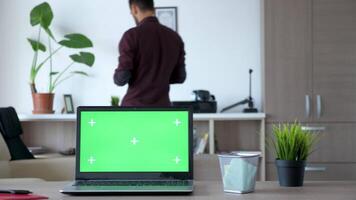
point(249, 100)
point(204, 102)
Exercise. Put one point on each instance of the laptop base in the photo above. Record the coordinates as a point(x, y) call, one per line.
point(73, 189)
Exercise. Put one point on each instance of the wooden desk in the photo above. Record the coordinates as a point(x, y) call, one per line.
point(213, 190)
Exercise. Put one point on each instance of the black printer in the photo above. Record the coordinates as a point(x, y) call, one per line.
point(204, 102)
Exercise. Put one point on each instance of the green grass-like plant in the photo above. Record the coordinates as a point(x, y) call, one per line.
point(291, 142)
point(115, 101)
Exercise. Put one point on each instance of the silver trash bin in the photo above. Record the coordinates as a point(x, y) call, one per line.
point(238, 171)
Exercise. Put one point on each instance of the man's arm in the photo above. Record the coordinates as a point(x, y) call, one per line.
point(179, 73)
point(127, 50)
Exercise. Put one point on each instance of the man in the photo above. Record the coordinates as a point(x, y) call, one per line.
point(151, 58)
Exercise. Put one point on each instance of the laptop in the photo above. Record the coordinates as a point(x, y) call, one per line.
point(133, 150)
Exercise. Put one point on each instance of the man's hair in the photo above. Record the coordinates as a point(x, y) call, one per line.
point(144, 5)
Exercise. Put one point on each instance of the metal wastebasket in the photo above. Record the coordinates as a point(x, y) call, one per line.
point(238, 171)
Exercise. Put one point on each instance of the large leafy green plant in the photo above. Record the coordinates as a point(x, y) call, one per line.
point(291, 142)
point(42, 17)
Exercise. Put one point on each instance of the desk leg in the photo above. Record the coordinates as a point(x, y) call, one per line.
point(263, 150)
point(211, 137)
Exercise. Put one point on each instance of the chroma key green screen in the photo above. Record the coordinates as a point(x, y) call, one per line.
point(134, 141)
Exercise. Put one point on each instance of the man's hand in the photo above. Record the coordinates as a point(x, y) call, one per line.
point(122, 77)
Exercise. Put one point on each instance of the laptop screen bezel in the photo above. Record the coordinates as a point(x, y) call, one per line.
point(133, 175)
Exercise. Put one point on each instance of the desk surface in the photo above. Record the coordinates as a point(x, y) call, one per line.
point(213, 190)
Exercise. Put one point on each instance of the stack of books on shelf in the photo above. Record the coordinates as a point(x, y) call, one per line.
point(200, 142)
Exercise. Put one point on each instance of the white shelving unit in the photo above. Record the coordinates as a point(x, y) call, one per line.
point(197, 117)
point(210, 118)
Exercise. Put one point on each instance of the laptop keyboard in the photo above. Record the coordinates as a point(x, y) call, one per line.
point(132, 183)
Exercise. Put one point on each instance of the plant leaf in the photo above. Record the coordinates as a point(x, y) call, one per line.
point(291, 142)
point(36, 45)
point(84, 58)
point(80, 73)
point(49, 32)
point(76, 41)
point(53, 73)
point(41, 14)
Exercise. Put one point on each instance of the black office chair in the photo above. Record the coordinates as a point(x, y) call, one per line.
point(11, 130)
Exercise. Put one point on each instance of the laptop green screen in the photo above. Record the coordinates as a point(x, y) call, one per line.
point(134, 141)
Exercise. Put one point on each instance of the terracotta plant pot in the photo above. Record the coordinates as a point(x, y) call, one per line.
point(42, 103)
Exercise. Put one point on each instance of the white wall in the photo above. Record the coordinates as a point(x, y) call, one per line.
point(223, 40)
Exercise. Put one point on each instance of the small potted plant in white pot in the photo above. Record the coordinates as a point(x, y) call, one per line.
point(41, 16)
point(292, 146)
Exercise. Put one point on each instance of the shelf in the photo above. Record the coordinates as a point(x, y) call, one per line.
point(229, 116)
point(69, 120)
point(197, 117)
point(47, 118)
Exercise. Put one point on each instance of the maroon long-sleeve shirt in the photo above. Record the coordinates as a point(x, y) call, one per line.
point(151, 58)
